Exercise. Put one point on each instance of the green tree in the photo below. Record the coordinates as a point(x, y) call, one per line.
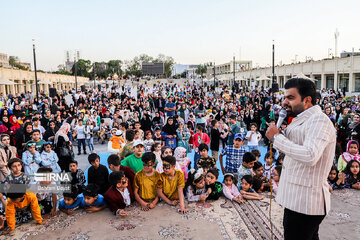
point(83, 67)
point(168, 63)
point(13, 61)
point(201, 69)
point(114, 66)
point(133, 68)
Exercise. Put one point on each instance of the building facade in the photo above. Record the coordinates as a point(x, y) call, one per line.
point(4, 61)
point(336, 73)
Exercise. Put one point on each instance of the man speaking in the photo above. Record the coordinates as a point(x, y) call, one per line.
point(309, 145)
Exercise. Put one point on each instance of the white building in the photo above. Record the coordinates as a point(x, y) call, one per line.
point(4, 61)
point(333, 73)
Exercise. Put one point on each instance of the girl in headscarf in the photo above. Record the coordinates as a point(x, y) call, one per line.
point(6, 153)
point(157, 121)
point(352, 153)
point(183, 135)
point(62, 141)
point(183, 112)
point(181, 160)
point(169, 133)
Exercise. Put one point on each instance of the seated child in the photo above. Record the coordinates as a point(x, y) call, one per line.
point(276, 178)
point(336, 180)
point(117, 142)
point(181, 160)
point(256, 153)
point(195, 186)
point(352, 152)
point(21, 207)
point(47, 201)
point(258, 185)
point(120, 194)
point(213, 188)
point(50, 158)
point(145, 183)
point(71, 201)
point(92, 201)
point(246, 189)
point(258, 170)
point(269, 165)
point(171, 184)
point(148, 142)
point(352, 179)
point(156, 149)
point(230, 190)
point(77, 176)
point(205, 159)
point(247, 165)
point(31, 159)
point(98, 173)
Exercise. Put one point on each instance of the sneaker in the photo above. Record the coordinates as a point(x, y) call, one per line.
point(85, 152)
point(79, 153)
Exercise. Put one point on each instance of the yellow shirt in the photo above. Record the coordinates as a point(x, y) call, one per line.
point(30, 199)
point(170, 186)
point(146, 185)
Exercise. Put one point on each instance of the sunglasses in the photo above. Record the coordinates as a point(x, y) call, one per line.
point(166, 166)
point(31, 144)
point(48, 143)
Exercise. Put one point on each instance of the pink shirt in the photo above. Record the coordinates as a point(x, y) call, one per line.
point(231, 192)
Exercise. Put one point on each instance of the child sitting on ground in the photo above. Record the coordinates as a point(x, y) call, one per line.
point(71, 201)
point(205, 159)
point(21, 207)
point(50, 158)
point(145, 183)
point(352, 172)
point(120, 194)
point(246, 189)
point(247, 165)
point(98, 173)
point(16, 176)
point(47, 201)
point(258, 170)
point(181, 160)
point(171, 184)
point(352, 152)
point(213, 187)
point(195, 186)
point(31, 159)
point(230, 190)
point(336, 180)
point(92, 201)
point(77, 176)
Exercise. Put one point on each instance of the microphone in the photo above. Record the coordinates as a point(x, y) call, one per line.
point(282, 116)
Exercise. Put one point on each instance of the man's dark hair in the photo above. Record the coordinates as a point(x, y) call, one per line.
point(213, 122)
point(233, 116)
point(203, 146)
point(35, 119)
point(248, 179)
point(113, 159)
point(257, 165)
point(92, 157)
point(14, 160)
point(129, 135)
point(148, 157)
point(249, 157)
point(305, 88)
point(44, 170)
point(35, 130)
point(115, 177)
point(170, 159)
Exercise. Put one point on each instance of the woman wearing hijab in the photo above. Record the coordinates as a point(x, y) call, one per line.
point(50, 132)
point(169, 133)
point(183, 135)
point(7, 152)
point(157, 121)
point(62, 147)
point(183, 112)
point(145, 122)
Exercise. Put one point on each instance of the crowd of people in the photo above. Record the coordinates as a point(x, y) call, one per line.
point(151, 135)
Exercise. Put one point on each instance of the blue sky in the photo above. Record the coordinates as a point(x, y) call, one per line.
point(190, 31)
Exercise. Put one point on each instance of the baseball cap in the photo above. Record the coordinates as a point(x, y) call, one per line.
point(239, 136)
point(118, 133)
point(138, 142)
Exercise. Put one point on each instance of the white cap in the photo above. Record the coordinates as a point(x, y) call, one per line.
point(138, 142)
point(118, 133)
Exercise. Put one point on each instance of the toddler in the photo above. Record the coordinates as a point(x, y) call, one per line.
point(50, 158)
point(230, 190)
point(31, 159)
point(269, 165)
point(181, 160)
point(195, 186)
point(352, 172)
point(336, 180)
point(148, 141)
point(352, 152)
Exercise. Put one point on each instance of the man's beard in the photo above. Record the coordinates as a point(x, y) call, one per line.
point(296, 110)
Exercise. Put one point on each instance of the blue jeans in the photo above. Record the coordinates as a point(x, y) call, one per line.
point(90, 143)
point(252, 147)
point(81, 142)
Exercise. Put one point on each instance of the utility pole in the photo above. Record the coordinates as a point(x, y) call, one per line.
point(36, 79)
point(214, 75)
point(234, 70)
point(273, 63)
point(75, 66)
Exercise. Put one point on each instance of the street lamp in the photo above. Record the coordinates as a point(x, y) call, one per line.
point(36, 79)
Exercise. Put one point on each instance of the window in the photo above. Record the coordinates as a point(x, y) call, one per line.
point(344, 82)
point(357, 82)
point(318, 82)
point(330, 82)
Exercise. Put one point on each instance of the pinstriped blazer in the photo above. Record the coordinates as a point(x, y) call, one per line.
point(309, 146)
